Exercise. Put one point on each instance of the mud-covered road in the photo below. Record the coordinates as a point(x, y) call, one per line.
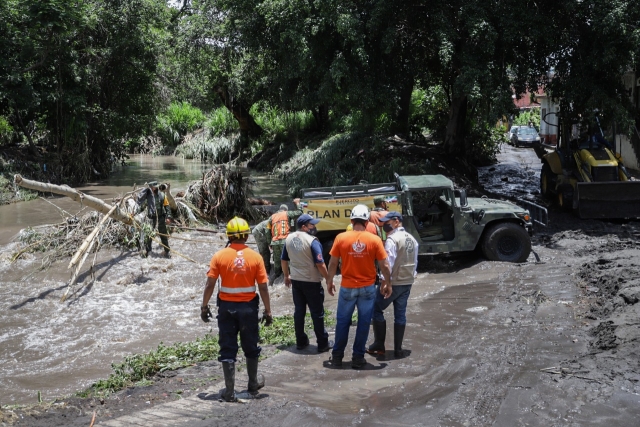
point(555, 343)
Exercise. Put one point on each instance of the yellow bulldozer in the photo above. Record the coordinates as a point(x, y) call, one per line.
point(585, 174)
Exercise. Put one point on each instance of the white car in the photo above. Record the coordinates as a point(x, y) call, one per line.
point(513, 130)
point(524, 136)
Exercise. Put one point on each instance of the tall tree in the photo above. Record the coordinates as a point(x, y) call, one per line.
point(591, 54)
point(84, 72)
point(477, 43)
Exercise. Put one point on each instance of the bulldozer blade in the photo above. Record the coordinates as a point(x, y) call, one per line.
point(609, 199)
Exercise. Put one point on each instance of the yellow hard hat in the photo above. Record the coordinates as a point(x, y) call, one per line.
point(237, 226)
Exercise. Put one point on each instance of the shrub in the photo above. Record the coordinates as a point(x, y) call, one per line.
point(177, 121)
point(221, 122)
point(428, 112)
point(483, 144)
point(6, 131)
point(525, 117)
point(284, 124)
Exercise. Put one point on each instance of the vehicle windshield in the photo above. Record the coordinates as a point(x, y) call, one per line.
point(527, 131)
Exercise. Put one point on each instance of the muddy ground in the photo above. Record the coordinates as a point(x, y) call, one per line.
point(554, 343)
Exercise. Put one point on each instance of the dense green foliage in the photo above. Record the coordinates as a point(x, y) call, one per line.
point(84, 81)
point(178, 120)
point(526, 117)
point(6, 131)
point(77, 77)
point(590, 54)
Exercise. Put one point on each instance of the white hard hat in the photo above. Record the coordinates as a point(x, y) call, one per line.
point(360, 212)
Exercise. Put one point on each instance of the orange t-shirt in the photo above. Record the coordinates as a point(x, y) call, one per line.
point(370, 227)
point(375, 216)
point(358, 251)
point(238, 267)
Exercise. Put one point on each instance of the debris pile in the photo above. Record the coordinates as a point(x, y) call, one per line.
point(221, 195)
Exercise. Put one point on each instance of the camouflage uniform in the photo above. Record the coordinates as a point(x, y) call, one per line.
point(277, 241)
point(157, 211)
point(262, 235)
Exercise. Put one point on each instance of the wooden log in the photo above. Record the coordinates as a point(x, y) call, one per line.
point(74, 277)
point(83, 247)
point(78, 196)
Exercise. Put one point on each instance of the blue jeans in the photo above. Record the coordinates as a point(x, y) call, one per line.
point(348, 299)
point(399, 297)
point(234, 318)
point(311, 294)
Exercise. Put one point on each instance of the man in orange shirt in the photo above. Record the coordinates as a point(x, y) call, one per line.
point(358, 250)
point(379, 211)
point(239, 268)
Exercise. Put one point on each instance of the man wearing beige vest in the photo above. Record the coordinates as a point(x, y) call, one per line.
point(303, 267)
point(402, 252)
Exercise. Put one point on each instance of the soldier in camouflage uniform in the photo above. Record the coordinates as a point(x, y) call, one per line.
point(279, 226)
point(262, 235)
point(158, 212)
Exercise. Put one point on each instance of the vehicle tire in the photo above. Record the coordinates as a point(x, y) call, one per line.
point(565, 197)
point(547, 181)
point(506, 241)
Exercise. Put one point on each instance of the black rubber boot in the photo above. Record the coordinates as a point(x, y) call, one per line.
point(398, 335)
point(379, 335)
point(256, 382)
point(229, 393)
point(336, 359)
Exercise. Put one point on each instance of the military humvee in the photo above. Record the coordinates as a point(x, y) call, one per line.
point(441, 219)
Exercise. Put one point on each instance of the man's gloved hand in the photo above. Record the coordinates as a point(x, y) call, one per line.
point(267, 319)
point(169, 221)
point(205, 314)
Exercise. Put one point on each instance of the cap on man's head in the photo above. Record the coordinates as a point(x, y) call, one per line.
point(152, 183)
point(391, 215)
point(378, 199)
point(284, 207)
point(306, 219)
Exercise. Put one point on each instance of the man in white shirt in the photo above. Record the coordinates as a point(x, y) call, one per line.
point(402, 253)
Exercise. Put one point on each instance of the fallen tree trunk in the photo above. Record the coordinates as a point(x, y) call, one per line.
point(74, 277)
point(89, 239)
point(78, 196)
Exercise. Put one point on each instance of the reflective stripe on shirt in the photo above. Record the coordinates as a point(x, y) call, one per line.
point(228, 290)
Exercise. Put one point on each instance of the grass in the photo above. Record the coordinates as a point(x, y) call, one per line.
point(283, 123)
point(139, 369)
point(281, 333)
point(142, 367)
